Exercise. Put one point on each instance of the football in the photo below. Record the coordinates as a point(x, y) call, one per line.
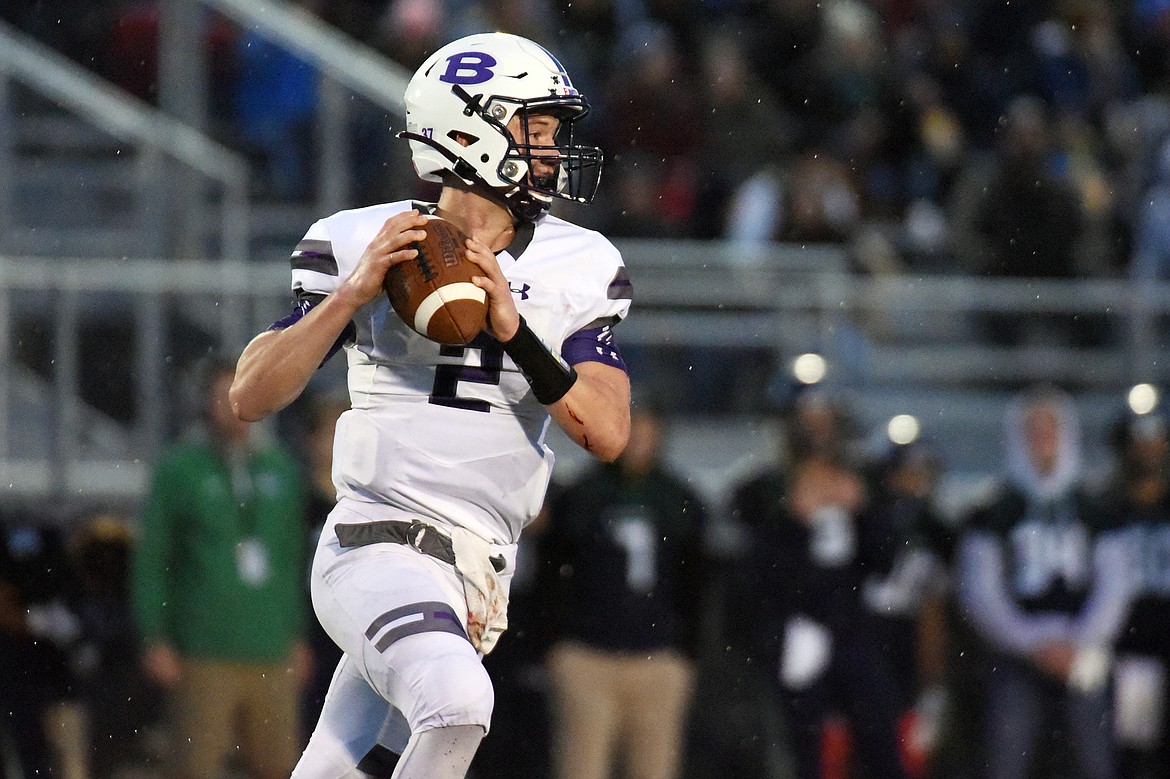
point(433, 293)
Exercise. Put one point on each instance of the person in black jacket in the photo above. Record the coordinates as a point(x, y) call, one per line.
point(836, 686)
point(1139, 497)
point(626, 541)
point(904, 550)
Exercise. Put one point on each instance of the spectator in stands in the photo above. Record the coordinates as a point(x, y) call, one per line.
point(652, 112)
point(219, 593)
point(587, 40)
point(743, 133)
point(406, 32)
point(782, 42)
point(636, 211)
point(932, 165)
point(133, 50)
point(1002, 61)
point(531, 19)
point(1140, 498)
point(859, 106)
point(1043, 576)
point(132, 55)
point(1026, 220)
point(409, 30)
point(1133, 134)
point(274, 108)
point(1149, 34)
point(627, 539)
point(1151, 254)
point(1084, 65)
point(822, 202)
point(836, 686)
point(1017, 219)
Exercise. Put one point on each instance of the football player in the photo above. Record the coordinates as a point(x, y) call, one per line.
point(1140, 498)
point(441, 460)
point(1042, 574)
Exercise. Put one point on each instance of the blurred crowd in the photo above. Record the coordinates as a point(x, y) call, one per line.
point(1010, 139)
point(834, 614)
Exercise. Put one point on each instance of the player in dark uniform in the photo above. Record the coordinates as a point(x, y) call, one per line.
point(1042, 575)
point(835, 682)
point(1140, 498)
point(903, 553)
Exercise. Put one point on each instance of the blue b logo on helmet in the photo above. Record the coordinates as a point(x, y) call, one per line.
point(468, 67)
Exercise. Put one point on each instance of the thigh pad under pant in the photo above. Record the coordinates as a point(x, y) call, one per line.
point(400, 616)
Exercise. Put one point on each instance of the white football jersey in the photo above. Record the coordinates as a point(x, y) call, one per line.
point(452, 434)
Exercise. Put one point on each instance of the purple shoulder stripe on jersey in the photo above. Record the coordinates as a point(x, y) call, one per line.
point(593, 344)
point(315, 255)
point(426, 617)
point(303, 305)
point(620, 288)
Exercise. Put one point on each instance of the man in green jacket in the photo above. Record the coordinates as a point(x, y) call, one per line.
point(218, 592)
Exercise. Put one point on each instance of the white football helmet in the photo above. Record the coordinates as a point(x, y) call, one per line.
point(469, 90)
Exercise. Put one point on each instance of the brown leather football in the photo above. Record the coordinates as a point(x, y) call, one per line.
point(433, 293)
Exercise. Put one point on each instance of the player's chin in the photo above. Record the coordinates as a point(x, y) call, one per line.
point(544, 182)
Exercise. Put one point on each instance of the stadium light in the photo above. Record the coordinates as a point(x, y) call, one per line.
point(809, 368)
point(1143, 398)
point(903, 429)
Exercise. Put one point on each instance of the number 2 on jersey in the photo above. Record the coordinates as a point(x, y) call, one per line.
point(447, 377)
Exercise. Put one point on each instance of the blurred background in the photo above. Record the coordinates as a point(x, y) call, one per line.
point(921, 207)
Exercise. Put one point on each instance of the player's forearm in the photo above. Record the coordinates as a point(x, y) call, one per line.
point(277, 365)
point(595, 412)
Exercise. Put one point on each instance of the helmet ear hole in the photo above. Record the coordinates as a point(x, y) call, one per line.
point(462, 138)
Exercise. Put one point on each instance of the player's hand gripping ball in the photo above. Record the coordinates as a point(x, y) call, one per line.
point(433, 292)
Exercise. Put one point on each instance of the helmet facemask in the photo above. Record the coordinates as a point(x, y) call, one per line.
point(576, 169)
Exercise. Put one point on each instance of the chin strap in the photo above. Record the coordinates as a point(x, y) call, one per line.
point(522, 207)
point(459, 166)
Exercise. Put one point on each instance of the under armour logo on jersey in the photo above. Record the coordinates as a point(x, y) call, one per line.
point(605, 344)
point(468, 67)
point(522, 292)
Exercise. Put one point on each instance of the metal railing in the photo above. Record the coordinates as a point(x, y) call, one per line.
point(344, 64)
point(346, 67)
point(125, 117)
point(341, 58)
point(780, 303)
point(61, 456)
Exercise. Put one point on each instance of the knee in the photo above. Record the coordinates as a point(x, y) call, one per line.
point(455, 689)
point(464, 693)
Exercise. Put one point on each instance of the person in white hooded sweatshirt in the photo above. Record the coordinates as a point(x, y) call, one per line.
point(1044, 579)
